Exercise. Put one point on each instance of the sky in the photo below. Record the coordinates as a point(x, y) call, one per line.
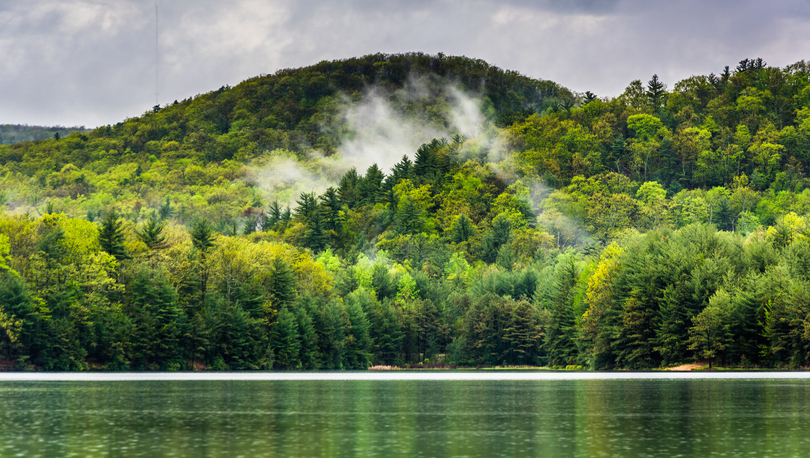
point(93, 62)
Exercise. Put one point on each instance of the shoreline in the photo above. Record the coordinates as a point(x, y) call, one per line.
point(403, 375)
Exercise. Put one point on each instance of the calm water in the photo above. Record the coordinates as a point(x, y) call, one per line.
point(633, 416)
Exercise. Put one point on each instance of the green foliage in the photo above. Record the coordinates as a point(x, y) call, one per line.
point(650, 229)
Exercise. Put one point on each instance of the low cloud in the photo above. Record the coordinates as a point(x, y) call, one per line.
point(379, 129)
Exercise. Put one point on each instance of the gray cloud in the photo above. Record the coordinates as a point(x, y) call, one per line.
point(92, 62)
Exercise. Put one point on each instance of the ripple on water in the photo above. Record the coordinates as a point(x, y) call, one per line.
point(532, 417)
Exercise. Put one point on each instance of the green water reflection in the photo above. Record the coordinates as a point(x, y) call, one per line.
point(610, 418)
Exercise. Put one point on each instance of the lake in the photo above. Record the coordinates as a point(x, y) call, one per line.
point(390, 414)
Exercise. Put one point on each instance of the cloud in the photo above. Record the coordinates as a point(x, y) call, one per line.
point(379, 129)
point(92, 62)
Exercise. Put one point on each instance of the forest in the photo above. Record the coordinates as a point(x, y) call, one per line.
point(267, 226)
point(15, 133)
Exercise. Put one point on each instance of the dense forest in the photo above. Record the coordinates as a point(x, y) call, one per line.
point(239, 230)
point(15, 133)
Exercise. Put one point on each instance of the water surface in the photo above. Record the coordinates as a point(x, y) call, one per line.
point(420, 414)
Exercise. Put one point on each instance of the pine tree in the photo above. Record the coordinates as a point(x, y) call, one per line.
point(497, 237)
point(166, 211)
point(382, 283)
point(402, 170)
point(330, 203)
point(348, 189)
point(308, 337)
point(151, 234)
point(158, 320)
point(202, 235)
point(559, 321)
point(387, 334)
point(656, 90)
point(330, 325)
point(307, 205)
point(358, 343)
point(315, 237)
point(408, 219)
point(282, 287)
point(462, 229)
point(111, 236)
point(285, 341)
point(273, 216)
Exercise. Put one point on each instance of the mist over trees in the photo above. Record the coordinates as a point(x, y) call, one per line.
point(663, 226)
point(15, 133)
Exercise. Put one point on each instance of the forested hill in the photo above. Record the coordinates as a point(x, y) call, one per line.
point(15, 133)
point(440, 210)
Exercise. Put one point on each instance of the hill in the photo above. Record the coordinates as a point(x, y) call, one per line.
point(397, 209)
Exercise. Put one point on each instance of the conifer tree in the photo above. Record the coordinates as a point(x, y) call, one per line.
point(371, 185)
point(273, 216)
point(202, 235)
point(308, 337)
point(358, 343)
point(315, 237)
point(347, 190)
point(497, 237)
point(285, 341)
point(151, 234)
point(307, 206)
point(111, 236)
point(330, 203)
point(656, 90)
point(282, 287)
point(462, 229)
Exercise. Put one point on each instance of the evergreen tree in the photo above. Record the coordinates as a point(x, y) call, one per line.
point(386, 333)
point(559, 321)
point(285, 341)
point(282, 285)
point(111, 236)
point(462, 229)
point(330, 325)
point(330, 203)
point(656, 91)
point(408, 218)
point(151, 234)
point(403, 170)
point(358, 343)
point(273, 216)
point(349, 194)
point(307, 206)
point(158, 320)
point(382, 283)
point(166, 211)
point(308, 337)
point(370, 186)
point(523, 335)
point(202, 235)
point(496, 238)
point(315, 237)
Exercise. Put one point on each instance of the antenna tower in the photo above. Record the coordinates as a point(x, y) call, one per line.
point(157, 103)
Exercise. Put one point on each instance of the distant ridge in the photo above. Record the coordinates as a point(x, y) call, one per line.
point(16, 133)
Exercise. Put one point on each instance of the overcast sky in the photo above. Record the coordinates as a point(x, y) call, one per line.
point(92, 62)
